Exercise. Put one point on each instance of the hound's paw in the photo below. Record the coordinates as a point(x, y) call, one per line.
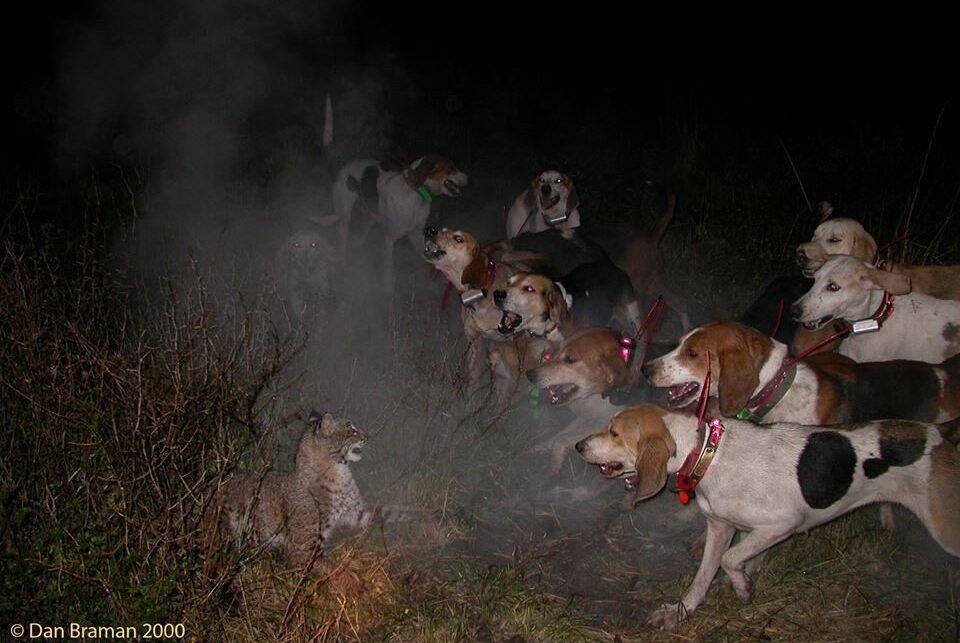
point(667, 617)
point(743, 586)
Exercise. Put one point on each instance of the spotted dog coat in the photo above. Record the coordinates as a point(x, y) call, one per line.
point(772, 482)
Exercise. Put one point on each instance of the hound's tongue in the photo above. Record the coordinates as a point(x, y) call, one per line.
point(610, 468)
point(677, 395)
point(509, 322)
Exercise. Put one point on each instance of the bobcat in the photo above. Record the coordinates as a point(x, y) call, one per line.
point(296, 512)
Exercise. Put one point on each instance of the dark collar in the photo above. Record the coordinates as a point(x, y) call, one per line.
point(771, 393)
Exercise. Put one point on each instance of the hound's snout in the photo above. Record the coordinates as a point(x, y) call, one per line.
point(545, 189)
point(498, 297)
point(646, 370)
point(801, 257)
point(430, 232)
point(581, 445)
point(796, 310)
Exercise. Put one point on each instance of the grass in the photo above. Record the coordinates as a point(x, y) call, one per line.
point(126, 399)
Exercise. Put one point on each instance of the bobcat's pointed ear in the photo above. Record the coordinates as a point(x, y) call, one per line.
point(328, 424)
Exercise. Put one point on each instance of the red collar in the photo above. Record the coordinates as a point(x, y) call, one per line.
point(875, 321)
point(699, 458)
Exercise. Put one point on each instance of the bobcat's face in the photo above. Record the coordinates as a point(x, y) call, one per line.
point(338, 437)
point(346, 444)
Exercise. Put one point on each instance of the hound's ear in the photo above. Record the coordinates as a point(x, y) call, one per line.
point(865, 247)
point(476, 270)
point(651, 465)
point(420, 170)
point(739, 377)
point(556, 303)
point(614, 368)
point(891, 282)
point(824, 211)
point(573, 199)
point(535, 184)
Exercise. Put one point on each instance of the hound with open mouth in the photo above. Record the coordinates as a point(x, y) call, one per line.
point(775, 481)
point(470, 270)
point(583, 373)
point(396, 201)
point(898, 323)
point(550, 201)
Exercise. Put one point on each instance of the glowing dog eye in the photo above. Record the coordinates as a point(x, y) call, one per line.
point(296, 244)
point(529, 289)
point(570, 359)
point(558, 180)
point(313, 244)
point(458, 239)
point(547, 357)
point(833, 240)
point(833, 287)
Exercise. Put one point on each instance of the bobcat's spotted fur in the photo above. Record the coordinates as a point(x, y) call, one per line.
point(296, 512)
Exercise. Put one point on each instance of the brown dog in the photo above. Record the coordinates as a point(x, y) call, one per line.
point(848, 237)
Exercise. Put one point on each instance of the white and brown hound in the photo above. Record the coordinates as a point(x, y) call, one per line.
point(584, 373)
point(911, 325)
point(551, 201)
point(848, 237)
point(775, 481)
point(753, 377)
point(397, 201)
point(475, 275)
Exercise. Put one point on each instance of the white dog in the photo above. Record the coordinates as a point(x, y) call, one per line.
point(398, 202)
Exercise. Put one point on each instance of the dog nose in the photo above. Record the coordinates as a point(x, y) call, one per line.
point(430, 232)
point(796, 310)
point(801, 257)
point(580, 446)
point(646, 370)
point(545, 189)
point(499, 296)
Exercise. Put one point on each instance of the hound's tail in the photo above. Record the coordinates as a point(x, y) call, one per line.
point(667, 216)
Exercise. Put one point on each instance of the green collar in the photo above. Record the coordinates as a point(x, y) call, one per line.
point(425, 194)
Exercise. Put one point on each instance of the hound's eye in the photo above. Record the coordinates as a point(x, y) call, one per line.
point(614, 433)
point(691, 352)
point(558, 180)
point(313, 244)
point(540, 179)
point(529, 288)
point(833, 287)
point(570, 359)
point(833, 240)
point(296, 244)
point(458, 238)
